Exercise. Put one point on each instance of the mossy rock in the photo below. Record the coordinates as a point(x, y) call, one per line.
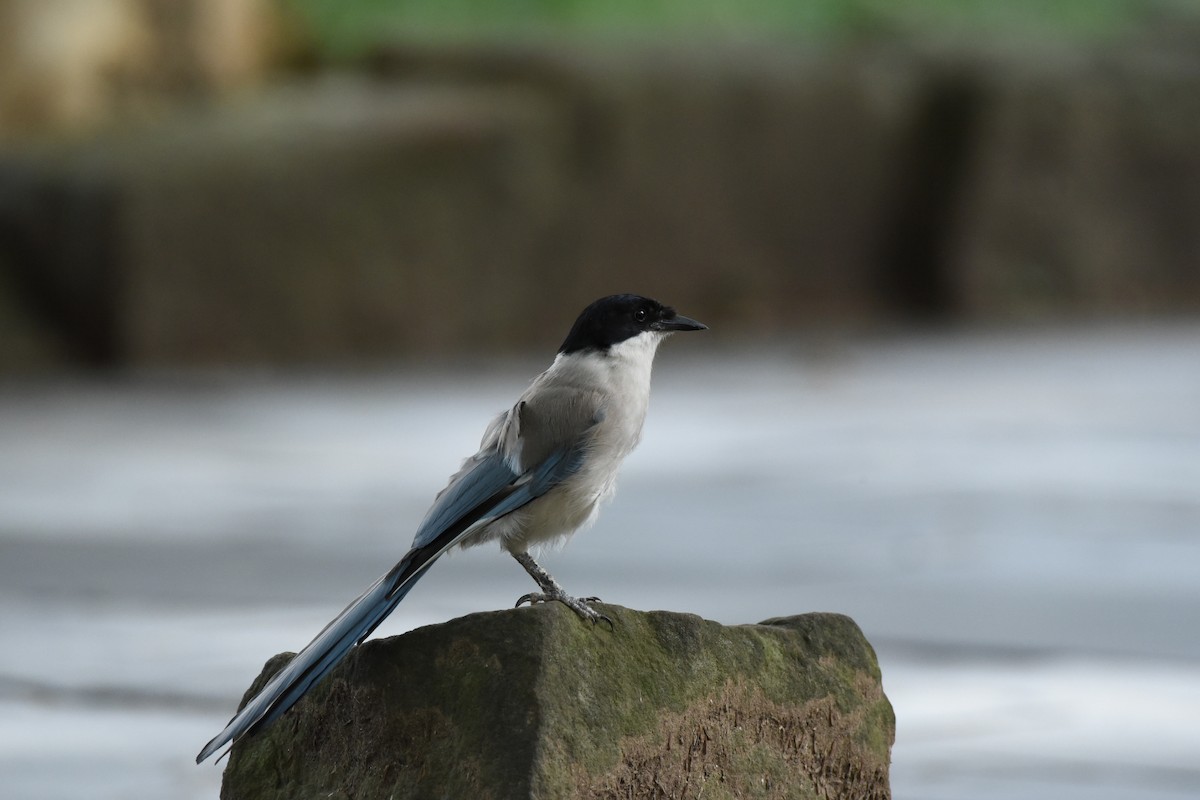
point(533, 703)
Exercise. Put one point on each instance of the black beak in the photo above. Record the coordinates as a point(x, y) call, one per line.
point(680, 323)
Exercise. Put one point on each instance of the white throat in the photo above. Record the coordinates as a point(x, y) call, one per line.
point(637, 352)
point(627, 368)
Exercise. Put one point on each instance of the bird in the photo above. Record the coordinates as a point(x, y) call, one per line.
point(544, 467)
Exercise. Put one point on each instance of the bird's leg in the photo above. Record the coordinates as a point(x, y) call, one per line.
point(552, 591)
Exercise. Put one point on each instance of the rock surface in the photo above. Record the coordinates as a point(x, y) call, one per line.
point(531, 703)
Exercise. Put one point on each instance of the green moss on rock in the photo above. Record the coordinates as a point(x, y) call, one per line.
point(532, 703)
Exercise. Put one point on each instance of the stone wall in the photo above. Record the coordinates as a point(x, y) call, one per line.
point(451, 199)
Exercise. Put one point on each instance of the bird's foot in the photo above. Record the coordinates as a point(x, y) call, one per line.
point(577, 604)
point(551, 591)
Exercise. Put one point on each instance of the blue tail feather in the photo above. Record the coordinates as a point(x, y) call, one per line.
point(485, 492)
point(317, 659)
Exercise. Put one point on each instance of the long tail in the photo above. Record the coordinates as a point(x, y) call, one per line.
point(322, 654)
point(485, 489)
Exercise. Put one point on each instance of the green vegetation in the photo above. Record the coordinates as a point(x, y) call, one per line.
point(346, 27)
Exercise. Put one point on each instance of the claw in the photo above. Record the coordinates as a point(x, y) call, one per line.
point(577, 604)
point(552, 591)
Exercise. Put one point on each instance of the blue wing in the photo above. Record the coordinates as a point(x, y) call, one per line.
point(486, 490)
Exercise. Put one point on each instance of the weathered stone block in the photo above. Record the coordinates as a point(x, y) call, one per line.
point(534, 704)
point(1086, 193)
point(344, 219)
point(744, 181)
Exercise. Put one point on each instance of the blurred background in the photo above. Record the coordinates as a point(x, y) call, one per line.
point(267, 268)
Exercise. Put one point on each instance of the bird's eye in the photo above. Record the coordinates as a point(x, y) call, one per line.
point(640, 315)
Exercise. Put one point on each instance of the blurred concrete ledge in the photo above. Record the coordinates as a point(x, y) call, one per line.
point(454, 197)
point(532, 703)
point(340, 219)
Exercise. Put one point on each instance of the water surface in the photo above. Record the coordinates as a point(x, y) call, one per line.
point(1013, 519)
